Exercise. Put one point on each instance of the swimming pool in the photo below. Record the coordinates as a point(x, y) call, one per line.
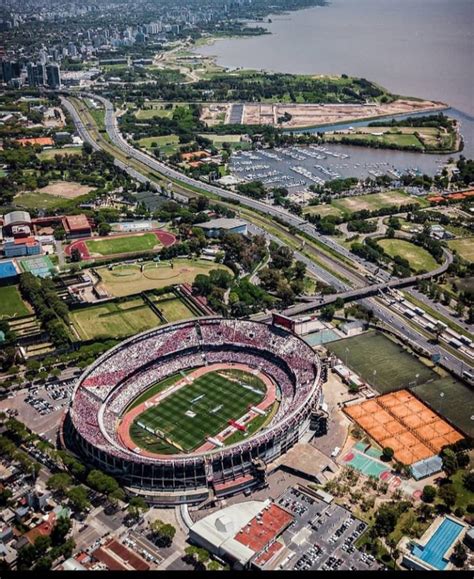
point(440, 542)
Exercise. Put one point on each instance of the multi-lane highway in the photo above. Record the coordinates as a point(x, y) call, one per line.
point(352, 274)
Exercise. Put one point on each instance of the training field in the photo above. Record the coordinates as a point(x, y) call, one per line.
point(187, 417)
point(418, 258)
point(172, 308)
point(11, 304)
point(455, 405)
point(51, 153)
point(465, 247)
point(128, 279)
point(123, 244)
point(395, 368)
point(115, 320)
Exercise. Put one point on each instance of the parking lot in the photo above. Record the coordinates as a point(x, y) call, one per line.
point(322, 536)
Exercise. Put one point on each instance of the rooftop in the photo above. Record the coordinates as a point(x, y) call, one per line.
point(76, 222)
point(222, 223)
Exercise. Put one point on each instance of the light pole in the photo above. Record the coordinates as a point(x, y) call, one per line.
point(347, 353)
point(441, 395)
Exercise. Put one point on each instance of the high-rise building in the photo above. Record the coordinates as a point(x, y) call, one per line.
point(10, 70)
point(36, 74)
point(53, 75)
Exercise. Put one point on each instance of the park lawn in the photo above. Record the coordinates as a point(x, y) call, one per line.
point(464, 496)
point(116, 320)
point(11, 303)
point(51, 153)
point(124, 280)
point(174, 310)
point(388, 138)
point(123, 244)
point(323, 210)
point(464, 247)
point(167, 144)
point(37, 200)
point(154, 111)
point(394, 367)
point(418, 258)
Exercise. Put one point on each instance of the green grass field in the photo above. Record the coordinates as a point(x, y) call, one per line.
point(126, 244)
point(11, 304)
point(51, 153)
point(418, 258)
point(124, 280)
point(212, 398)
point(168, 144)
point(395, 368)
point(115, 320)
point(464, 247)
point(37, 200)
point(388, 138)
point(174, 309)
point(157, 111)
point(456, 404)
point(348, 205)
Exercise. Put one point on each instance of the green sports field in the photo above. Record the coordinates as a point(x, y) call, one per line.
point(11, 304)
point(455, 404)
point(394, 367)
point(115, 320)
point(126, 244)
point(418, 258)
point(199, 410)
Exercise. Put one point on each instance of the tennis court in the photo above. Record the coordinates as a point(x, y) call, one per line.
point(365, 464)
point(403, 423)
point(40, 266)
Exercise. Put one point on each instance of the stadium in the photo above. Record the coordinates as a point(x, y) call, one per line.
point(195, 409)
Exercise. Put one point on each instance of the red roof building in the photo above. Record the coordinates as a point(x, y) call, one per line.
point(77, 226)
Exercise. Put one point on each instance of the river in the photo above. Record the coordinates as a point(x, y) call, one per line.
point(420, 48)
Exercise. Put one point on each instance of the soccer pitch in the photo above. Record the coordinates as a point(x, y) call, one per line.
point(382, 363)
point(195, 412)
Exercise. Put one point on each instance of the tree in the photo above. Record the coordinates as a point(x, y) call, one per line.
point(104, 229)
point(59, 482)
point(429, 494)
point(468, 481)
point(459, 555)
point(386, 520)
point(136, 506)
point(60, 530)
point(450, 463)
point(387, 454)
point(115, 496)
point(102, 482)
point(78, 497)
point(75, 255)
point(448, 494)
point(163, 532)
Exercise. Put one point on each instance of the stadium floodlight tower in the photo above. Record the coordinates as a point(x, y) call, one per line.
point(196, 409)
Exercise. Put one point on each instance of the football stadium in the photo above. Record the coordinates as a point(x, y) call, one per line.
point(194, 409)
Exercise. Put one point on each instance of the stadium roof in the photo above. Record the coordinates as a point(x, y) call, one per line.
point(16, 217)
point(222, 223)
point(220, 528)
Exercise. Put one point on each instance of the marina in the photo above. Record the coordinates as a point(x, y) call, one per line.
point(295, 167)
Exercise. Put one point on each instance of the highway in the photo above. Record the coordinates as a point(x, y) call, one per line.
point(384, 313)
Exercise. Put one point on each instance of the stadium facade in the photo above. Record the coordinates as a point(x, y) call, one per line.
point(106, 389)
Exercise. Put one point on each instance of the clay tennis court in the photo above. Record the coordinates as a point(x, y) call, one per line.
point(400, 421)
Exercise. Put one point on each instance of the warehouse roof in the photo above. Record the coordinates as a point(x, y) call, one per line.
point(222, 223)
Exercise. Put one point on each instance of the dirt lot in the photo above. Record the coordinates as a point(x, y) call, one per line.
point(66, 189)
point(307, 115)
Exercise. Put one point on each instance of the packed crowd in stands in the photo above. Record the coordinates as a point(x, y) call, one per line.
point(123, 373)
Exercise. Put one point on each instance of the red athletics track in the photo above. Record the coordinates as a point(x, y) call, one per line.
point(164, 237)
point(123, 430)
